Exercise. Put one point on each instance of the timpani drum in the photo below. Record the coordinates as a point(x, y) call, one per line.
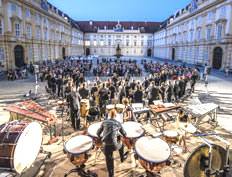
point(78, 149)
point(170, 136)
point(84, 107)
point(109, 107)
point(152, 153)
point(92, 132)
point(133, 131)
point(119, 108)
point(20, 143)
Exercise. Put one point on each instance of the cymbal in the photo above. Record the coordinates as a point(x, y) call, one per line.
point(197, 162)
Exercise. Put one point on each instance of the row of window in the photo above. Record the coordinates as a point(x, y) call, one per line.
point(119, 36)
point(199, 19)
point(87, 43)
point(135, 51)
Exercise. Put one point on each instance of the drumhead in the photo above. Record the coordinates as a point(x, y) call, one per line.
point(110, 106)
point(85, 101)
point(79, 144)
point(121, 106)
point(153, 150)
point(170, 133)
point(27, 147)
point(92, 130)
point(133, 129)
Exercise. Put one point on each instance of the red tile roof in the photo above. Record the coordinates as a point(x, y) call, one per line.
point(148, 27)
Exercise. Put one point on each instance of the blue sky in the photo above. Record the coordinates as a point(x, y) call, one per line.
point(123, 10)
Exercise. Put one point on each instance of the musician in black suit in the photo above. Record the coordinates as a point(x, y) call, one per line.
point(132, 85)
point(138, 95)
point(103, 95)
point(115, 79)
point(111, 140)
point(53, 83)
point(181, 87)
point(193, 81)
point(153, 92)
point(74, 99)
point(60, 84)
point(157, 79)
point(169, 91)
point(112, 90)
point(176, 90)
point(84, 92)
point(145, 83)
point(162, 91)
point(94, 89)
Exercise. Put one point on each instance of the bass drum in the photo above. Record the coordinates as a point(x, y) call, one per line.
point(20, 143)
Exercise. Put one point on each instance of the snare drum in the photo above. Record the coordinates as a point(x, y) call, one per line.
point(78, 149)
point(20, 143)
point(152, 153)
point(92, 132)
point(84, 107)
point(119, 108)
point(133, 132)
point(109, 107)
point(170, 136)
point(60, 103)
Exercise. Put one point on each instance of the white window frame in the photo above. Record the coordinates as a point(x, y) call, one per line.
point(1, 27)
point(223, 10)
point(208, 34)
point(2, 55)
point(28, 32)
point(219, 31)
point(17, 30)
point(14, 7)
point(27, 13)
point(38, 36)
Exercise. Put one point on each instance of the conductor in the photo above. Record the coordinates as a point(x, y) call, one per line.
point(111, 140)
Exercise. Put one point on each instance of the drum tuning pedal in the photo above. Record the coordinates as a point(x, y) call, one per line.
point(64, 151)
point(136, 157)
point(168, 163)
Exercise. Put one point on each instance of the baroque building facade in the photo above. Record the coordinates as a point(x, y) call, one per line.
point(32, 31)
point(200, 33)
point(103, 37)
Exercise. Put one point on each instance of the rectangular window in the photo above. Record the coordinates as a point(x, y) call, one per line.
point(57, 37)
point(127, 36)
point(219, 32)
point(135, 43)
point(87, 43)
point(127, 43)
point(14, 7)
point(36, 17)
point(38, 34)
point(185, 37)
point(134, 51)
point(52, 36)
point(45, 35)
point(141, 51)
point(44, 20)
point(210, 14)
point(30, 53)
point(17, 30)
point(27, 13)
point(208, 35)
point(142, 37)
point(101, 43)
point(1, 29)
point(95, 43)
point(2, 57)
point(142, 43)
point(109, 36)
point(199, 19)
point(109, 42)
point(191, 36)
point(135, 36)
point(94, 51)
point(199, 35)
point(223, 10)
point(28, 32)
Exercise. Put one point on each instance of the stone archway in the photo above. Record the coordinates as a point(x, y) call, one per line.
point(217, 58)
point(87, 51)
point(19, 56)
point(63, 53)
point(149, 52)
point(173, 53)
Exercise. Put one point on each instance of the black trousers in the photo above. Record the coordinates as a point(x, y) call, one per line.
point(108, 151)
point(60, 91)
point(75, 118)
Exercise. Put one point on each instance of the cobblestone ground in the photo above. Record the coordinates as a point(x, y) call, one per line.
point(219, 92)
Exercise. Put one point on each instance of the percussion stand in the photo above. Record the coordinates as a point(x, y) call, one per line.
point(62, 117)
point(81, 172)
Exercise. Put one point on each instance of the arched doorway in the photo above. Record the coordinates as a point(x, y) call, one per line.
point(173, 53)
point(217, 58)
point(63, 53)
point(87, 52)
point(19, 56)
point(149, 52)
